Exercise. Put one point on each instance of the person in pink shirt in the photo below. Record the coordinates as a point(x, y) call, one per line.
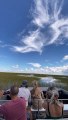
point(14, 109)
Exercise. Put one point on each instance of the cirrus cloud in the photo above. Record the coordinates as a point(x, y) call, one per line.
point(46, 16)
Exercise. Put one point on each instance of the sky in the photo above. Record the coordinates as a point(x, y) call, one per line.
point(34, 36)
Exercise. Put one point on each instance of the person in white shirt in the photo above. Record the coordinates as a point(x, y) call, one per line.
point(25, 92)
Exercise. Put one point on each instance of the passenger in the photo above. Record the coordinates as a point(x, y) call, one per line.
point(37, 96)
point(49, 93)
point(25, 92)
point(46, 102)
point(14, 109)
point(55, 106)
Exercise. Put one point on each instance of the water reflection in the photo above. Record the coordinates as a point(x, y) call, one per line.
point(50, 81)
point(47, 80)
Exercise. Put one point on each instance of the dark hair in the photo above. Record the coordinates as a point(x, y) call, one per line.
point(24, 83)
point(14, 90)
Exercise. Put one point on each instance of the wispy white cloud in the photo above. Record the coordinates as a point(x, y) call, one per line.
point(40, 13)
point(15, 66)
point(60, 27)
point(31, 43)
point(59, 70)
point(36, 65)
point(3, 45)
point(65, 57)
point(38, 69)
point(46, 15)
point(46, 11)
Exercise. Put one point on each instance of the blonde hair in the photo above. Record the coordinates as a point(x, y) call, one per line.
point(54, 93)
point(35, 83)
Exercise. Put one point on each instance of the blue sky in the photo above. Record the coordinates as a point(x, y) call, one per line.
point(34, 36)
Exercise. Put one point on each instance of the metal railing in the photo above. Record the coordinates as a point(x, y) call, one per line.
point(38, 110)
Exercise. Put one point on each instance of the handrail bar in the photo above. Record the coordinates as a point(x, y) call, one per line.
point(35, 99)
point(49, 99)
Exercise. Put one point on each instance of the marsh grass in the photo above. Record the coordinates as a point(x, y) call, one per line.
point(8, 79)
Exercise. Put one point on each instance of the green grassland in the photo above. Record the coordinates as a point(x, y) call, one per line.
point(8, 79)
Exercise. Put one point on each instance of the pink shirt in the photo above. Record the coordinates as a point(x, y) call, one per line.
point(14, 109)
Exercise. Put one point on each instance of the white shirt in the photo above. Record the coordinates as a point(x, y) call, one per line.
point(25, 92)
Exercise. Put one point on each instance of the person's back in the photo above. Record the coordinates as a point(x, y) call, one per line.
point(14, 109)
point(25, 93)
point(36, 95)
point(55, 110)
point(55, 106)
